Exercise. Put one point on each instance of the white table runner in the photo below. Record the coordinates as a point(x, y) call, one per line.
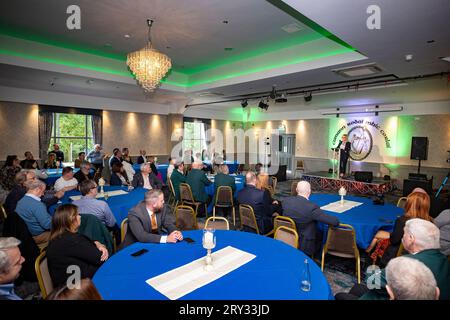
point(180, 281)
point(110, 193)
point(340, 208)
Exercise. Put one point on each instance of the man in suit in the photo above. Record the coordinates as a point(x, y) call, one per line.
point(142, 158)
point(306, 214)
point(152, 221)
point(344, 146)
point(197, 180)
point(84, 173)
point(58, 152)
point(421, 240)
point(116, 158)
point(146, 179)
point(259, 201)
point(177, 177)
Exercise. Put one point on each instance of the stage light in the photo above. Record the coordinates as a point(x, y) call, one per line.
point(263, 105)
point(273, 93)
point(337, 114)
point(244, 103)
point(308, 97)
point(376, 108)
point(281, 99)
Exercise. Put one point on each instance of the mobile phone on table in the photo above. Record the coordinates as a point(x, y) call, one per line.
point(139, 253)
point(188, 240)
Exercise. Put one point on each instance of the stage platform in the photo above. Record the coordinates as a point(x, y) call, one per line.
point(322, 180)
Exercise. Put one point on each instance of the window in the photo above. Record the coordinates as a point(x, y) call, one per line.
point(194, 137)
point(73, 133)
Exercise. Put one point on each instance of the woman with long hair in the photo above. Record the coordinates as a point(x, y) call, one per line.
point(51, 161)
point(417, 206)
point(262, 183)
point(8, 172)
point(69, 248)
point(86, 291)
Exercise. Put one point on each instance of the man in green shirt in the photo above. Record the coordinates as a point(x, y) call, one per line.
point(177, 177)
point(223, 179)
point(197, 180)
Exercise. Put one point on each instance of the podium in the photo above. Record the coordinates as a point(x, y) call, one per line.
point(336, 156)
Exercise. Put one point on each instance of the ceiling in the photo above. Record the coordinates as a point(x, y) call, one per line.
point(333, 34)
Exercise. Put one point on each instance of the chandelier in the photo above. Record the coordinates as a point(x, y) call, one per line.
point(148, 65)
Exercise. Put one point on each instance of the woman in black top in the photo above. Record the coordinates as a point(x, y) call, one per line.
point(68, 248)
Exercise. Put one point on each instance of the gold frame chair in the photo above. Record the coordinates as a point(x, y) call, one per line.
point(274, 184)
point(194, 214)
point(225, 206)
point(400, 200)
point(3, 212)
point(299, 166)
point(400, 250)
point(253, 217)
point(288, 230)
point(123, 229)
point(285, 219)
point(217, 218)
point(294, 188)
point(172, 201)
point(325, 250)
point(191, 201)
point(37, 267)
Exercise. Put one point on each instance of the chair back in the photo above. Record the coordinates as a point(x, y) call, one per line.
point(172, 190)
point(402, 202)
point(282, 221)
point(300, 165)
point(43, 275)
point(294, 188)
point(3, 214)
point(186, 195)
point(248, 218)
point(400, 250)
point(287, 235)
point(341, 242)
point(274, 184)
point(186, 219)
point(272, 192)
point(219, 223)
point(224, 197)
point(95, 230)
point(123, 229)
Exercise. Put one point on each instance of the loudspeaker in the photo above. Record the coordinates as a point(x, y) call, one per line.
point(419, 148)
point(364, 176)
point(410, 185)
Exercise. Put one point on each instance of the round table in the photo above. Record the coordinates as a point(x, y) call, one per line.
point(274, 274)
point(55, 174)
point(366, 218)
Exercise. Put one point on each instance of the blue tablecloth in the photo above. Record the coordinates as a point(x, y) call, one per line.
point(232, 165)
point(162, 168)
point(366, 219)
point(120, 205)
point(210, 190)
point(274, 274)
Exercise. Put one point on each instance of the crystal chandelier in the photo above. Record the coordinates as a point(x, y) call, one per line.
point(148, 65)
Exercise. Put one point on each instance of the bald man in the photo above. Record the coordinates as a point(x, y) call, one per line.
point(306, 214)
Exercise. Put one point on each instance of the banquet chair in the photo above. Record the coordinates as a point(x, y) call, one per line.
point(186, 218)
point(294, 188)
point(224, 199)
point(287, 235)
point(3, 214)
point(341, 242)
point(401, 250)
point(401, 202)
point(300, 167)
point(282, 221)
point(187, 198)
point(43, 275)
point(219, 223)
point(274, 184)
point(123, 229)
point(248, 219)
point(272, 192)
point(173, 202)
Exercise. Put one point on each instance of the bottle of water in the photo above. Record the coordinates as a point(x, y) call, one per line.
point(306, 277)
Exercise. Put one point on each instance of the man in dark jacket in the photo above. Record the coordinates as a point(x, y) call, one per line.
point(223, 179)
point(197, 180)
point(146, 178)
point(306, 214)
point(259, 201)
point(177, 177)
point(151, 221)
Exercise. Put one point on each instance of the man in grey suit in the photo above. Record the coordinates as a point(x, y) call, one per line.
point(151, 221)
point(306, 215)
point(146, 178)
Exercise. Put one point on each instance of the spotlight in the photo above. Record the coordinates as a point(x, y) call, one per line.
point(376, 112)
point(244, 103)
point(281, 99)
point(308, 97)
point(337, 114)
point(263, 105)
point(273, 93)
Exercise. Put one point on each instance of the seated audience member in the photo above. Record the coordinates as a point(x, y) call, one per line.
point(306, 214)
point(34, 213)
point(116, 158)
point(259, 201)
point(96, 156)
point(67, 247)
point(170, 167)
point(442, 221)
point(88, 204)
point(152, 221)
point(421, 240)
point(410, 279)
point(8, 172)
point(119, 176)
point(142, 158)
point(198, 157)
point(19, 190)
point(80, 159)
point(84, 173)
point(262, 183)
point(126, 155)
point(146, 178)
point(51, 162)
point(29, 162)
point(128, 167)
point(188, 159)
point(86, 291)
point(417, 206)
point(178, 177)
point(59, 154)
point(10, 265)
point(258, 168)
point(223, 178)
point(67, 181)
point(197, 180)
point(151, 160)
